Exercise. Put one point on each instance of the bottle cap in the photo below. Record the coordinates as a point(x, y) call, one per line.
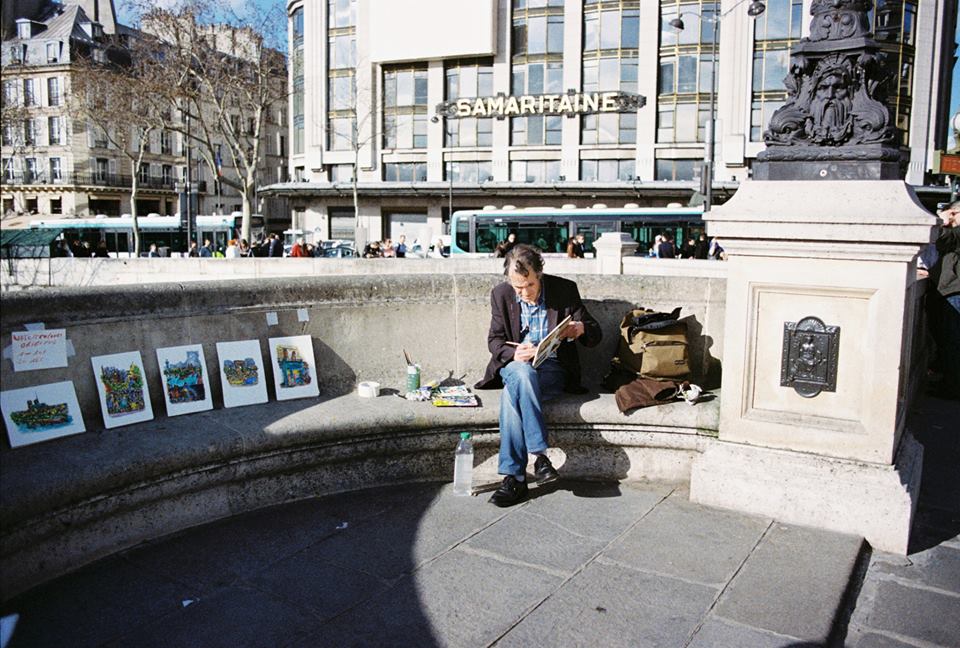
point(464, 435)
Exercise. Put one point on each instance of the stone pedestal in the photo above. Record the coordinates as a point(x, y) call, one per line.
point(816, 354)
point(611, 247)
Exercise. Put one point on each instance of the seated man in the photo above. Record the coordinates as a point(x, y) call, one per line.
point(525, 309)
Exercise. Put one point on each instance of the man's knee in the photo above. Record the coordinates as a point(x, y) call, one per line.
point(519, 373)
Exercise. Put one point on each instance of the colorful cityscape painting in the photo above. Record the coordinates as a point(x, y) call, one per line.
point(182, 373)
point(122, 386)
point(34, 414)
point(241, 373)
point(293, 367)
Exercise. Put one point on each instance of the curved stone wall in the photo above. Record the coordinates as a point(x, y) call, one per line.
point(68, 501)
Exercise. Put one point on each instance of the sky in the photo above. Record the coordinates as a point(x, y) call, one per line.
point(123, 17)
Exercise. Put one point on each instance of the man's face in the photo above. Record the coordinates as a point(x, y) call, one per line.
point(527, 287)
point(951, 217)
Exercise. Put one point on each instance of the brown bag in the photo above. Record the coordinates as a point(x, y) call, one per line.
point(644, 392)
point(653, 344)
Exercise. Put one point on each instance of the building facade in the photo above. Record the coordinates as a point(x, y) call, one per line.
point(56, 165)
point(367, 77)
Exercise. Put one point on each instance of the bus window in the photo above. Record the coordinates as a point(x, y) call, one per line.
point(549, 237)
point(592, 231)
point(490, 234)
point(462, 238)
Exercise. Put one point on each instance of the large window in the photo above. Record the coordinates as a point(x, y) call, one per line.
point(297, 73)
point(775, 32)
point(405, 171)
point(468, 171)
point(895, 27)
point(405, 107)
point(686, 70)
point(54, 131)
point(676, 169)
point(607, 170)
point(537, 67)
point(341, 74)
point(535, 170)
point(611, 38)
point(30, 92)
point(53, 91)
point(469, 79)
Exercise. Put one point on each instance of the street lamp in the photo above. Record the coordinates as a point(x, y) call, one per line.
point(755, 9)
point(446, 132)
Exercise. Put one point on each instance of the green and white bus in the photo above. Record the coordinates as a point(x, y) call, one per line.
point(478, 231)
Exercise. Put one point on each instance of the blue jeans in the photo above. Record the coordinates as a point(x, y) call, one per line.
point(522, 429)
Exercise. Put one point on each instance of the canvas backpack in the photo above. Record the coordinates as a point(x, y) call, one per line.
point(653, 344)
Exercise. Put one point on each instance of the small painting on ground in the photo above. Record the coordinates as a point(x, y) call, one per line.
point(294, 372)
point(183, 374)
point(35, 414)
point(122, 385)
point(241, 373)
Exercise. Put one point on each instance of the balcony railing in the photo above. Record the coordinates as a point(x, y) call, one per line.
point(96, 179)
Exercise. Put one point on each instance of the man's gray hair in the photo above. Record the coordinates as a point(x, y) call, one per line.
point(523, 259)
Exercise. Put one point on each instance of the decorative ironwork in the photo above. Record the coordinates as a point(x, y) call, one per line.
point(810, 353)
point(836, 106)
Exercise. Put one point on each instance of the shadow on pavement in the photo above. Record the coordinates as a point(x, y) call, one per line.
point(933, 422)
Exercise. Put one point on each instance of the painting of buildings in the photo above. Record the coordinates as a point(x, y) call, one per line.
point(34, 414)
point(182, 370)
point(122, 386)
point(293, 367)
point(241, 371)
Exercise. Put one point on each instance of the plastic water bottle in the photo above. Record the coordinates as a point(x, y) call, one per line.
point(463, 466)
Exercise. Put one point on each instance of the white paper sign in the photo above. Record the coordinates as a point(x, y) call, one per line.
point(42, 349)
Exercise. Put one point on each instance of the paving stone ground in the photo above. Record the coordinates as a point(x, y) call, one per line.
point(578, 564)
point(914, 600)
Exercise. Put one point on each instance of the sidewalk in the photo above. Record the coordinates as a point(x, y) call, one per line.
point(578, 564)
point(915, 600)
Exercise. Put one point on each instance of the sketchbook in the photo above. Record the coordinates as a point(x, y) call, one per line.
point(550, 343)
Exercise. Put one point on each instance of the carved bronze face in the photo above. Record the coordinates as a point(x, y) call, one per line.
point(830, 109)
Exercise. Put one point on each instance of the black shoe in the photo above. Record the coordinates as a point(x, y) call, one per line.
point(544, 470)
point(510, 492)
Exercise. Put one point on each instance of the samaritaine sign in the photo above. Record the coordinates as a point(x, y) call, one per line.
point(570, 104)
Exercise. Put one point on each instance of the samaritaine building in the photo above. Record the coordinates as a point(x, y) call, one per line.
point(582, 101)
point(54, 167)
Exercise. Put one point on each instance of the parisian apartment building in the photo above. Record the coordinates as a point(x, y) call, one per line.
point(387, 90)
point(55, 167)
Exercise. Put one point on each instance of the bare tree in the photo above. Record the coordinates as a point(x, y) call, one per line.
point(13, 122)
point(225, 78)
point(354, 128)
point(119, 99)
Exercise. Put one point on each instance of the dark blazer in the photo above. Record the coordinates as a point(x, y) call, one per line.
point(562, 299)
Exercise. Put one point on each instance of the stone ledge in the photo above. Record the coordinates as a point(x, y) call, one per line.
point(70, 501)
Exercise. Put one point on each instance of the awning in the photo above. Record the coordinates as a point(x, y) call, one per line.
point(27, 243)
point(28, 237)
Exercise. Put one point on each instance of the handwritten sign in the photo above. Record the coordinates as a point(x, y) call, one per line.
point(43, 349)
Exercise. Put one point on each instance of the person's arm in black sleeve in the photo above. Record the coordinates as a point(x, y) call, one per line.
point(592, 333)
point(497, 336)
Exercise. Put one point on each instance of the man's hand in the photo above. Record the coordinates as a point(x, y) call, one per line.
point(525, 352)
point(573, 330)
